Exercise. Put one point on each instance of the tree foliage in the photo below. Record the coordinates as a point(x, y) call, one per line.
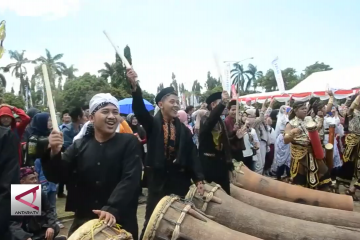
point(13, 100)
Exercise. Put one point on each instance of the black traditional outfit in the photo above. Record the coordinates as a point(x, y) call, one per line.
point(305, 169)
point(9, 174)
point(351, 154)
point(171, 159)
point(214, 145)
point(99, 175)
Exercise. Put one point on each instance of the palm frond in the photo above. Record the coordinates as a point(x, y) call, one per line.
point(57, 57)
point(48, 54)
point(2, 80)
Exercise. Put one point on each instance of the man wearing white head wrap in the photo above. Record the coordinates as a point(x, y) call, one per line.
point(102, 168)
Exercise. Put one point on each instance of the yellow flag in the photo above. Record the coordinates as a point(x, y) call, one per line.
point(2, 36)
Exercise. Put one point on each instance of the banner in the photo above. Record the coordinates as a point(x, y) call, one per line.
point(226, 82)
point(278, 75)
point(233, 92)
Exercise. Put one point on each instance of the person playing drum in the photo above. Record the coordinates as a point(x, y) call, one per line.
point(305, 169)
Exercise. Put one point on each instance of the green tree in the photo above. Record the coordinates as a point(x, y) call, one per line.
point(13, 100)
point(160, 87)
point(268, 81)
point(2, 81)
point(174, 83)
point(316, 67)
point(205, 95)
point(127, 54)
point(211, 82)
point(148, 96)
point(79, 92)
point(196, 89)
point(18, 68)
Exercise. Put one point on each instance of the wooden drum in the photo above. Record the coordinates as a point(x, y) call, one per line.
point(98, 230)
point(174, 219)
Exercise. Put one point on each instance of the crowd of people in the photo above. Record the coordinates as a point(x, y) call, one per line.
point(104, 160)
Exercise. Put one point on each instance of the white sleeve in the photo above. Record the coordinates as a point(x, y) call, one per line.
point(254, 135)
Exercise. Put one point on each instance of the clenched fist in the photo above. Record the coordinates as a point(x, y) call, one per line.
point(56, 141)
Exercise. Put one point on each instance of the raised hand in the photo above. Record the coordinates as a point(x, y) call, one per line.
point(56, 141)
point(225, 97)
point(132, 77)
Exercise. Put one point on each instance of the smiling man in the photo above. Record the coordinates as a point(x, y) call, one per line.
point(102, 168)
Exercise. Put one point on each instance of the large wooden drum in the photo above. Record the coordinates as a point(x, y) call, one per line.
point(249, 180)
point(247, 219)
point(98, 230)
point(174, 219)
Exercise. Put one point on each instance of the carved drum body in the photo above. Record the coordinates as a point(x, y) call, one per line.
point(174, 219)
point(249, 180)
point(247, 219)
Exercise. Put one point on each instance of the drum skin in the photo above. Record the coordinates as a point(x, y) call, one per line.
point(242, 217)
point(305, 212)
point(249, 180)
point(101, 232)
point(194, 225)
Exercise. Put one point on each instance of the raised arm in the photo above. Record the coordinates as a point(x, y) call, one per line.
point(213, 118)
point(58, 166)
point(331, 101)
point(129, 183)
point(354, 105)
point(25, 120)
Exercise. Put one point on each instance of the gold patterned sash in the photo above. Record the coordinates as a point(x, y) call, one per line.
point(298, 153)
point(351, 141)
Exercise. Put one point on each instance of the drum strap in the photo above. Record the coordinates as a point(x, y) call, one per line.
point(176, 232)
point(208, 196)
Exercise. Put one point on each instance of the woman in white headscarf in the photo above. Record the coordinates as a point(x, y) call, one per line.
point(282, 158)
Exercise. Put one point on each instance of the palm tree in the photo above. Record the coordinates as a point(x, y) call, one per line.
point(107, 72)
point(2, 81)
point(69, 72)
point(18, 68)
point(240, 76)
point(55, 68)
point(254, 75)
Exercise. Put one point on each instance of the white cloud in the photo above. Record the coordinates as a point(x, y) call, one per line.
point(40, 8)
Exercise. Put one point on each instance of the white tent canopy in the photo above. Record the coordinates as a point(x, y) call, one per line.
point(341, 82)
point(343, 79)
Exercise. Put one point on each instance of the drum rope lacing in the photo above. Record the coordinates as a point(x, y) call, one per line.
point(110, 237)
point(176, 232)
point(206, 198)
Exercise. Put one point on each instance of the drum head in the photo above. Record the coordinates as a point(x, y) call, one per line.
point(157, 216)
point(329, 146)
point(98, 230)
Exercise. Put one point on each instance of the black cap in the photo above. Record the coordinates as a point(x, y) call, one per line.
point(213, 97)
point(231, 103)
point(163, 93)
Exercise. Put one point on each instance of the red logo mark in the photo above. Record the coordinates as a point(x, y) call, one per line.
point(33, 190)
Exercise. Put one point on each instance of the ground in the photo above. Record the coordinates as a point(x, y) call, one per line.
point(140, 214)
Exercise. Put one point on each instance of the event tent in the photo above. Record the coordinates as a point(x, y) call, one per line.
point(344, 83)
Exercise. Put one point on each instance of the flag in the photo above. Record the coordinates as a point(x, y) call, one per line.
point(2, 36)
point(278, 75)
point(226, 82)
point(233, 92)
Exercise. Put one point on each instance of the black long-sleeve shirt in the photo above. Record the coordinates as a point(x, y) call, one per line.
point(9, 174)
point(104, 176)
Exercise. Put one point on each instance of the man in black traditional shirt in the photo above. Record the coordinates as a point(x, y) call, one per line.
point(214, 145)
point(171, 158)
point(9, 174)
point(102, 168)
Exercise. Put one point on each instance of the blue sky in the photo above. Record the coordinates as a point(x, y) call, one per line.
point(181, 36)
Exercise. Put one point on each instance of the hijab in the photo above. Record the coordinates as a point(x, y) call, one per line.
point(39, 125)
point(182, 115)
point(281, 119)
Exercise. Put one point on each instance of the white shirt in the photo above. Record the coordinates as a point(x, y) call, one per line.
point(248, 151)
point(272, 135)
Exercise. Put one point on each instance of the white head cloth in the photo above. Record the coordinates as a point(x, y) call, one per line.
point(97, 101)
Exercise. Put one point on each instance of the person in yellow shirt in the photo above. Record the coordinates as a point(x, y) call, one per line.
point(124, 127)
